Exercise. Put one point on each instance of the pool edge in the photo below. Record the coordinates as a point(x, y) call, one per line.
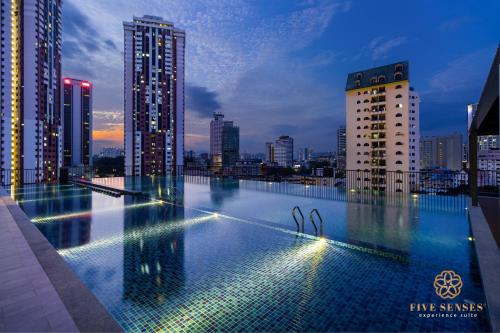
point(87, 312)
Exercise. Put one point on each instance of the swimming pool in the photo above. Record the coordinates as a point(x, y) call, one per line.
point(225, 257)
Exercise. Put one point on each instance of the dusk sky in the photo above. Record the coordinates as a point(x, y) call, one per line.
point(279, 67)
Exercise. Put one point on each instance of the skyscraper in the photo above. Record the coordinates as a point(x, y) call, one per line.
point(216, 126)
point(30, 129)
point(224, 142)
point(77, 120)
point(154, 96)
point(269, 153)
point(382, 118)
point(442, 152)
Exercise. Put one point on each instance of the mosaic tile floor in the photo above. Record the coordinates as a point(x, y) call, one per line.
point(175, 269)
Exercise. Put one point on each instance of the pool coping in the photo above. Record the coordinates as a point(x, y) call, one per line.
point(87, 313)
point(488, 257)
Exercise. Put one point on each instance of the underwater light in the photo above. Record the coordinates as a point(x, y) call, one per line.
point(90, 212)
point(138, 234)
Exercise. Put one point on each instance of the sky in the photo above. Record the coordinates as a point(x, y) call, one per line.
point(279, 67)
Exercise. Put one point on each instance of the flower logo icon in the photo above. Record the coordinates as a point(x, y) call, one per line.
point(448, 284)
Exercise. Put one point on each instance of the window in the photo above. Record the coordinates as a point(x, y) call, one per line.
point(399, 96)
point(358, 102)
point(358, 110)
point(398, 76)
point(359, 127)
point(359, 145)
point(373, 80)
point(358, 119)
point(366, 145)
point(359, 76)
point(399, 86)
point(399, 143)
point(399, 153)
point(399, 124)
point(399, 162)
point(357, 83)
point(398, 68)
point(398, 106)
point(366, 118)
point(381, 79)
point(365, 127)
point(366, 101)
point(399, 115)
point(358, 136)
point(359, 162)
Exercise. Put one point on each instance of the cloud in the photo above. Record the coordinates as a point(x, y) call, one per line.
point(380, 46)
point(454, 23)
point(201, 101)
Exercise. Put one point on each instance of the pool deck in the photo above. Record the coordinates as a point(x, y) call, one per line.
point(488, 256)
point(38, 291)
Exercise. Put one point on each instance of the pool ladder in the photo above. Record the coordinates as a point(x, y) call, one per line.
point(300, 227)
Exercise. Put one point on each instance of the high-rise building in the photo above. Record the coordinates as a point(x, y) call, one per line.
point(269, 153)
point(442, 152)
point(305, 154)
point(283, 151)
point(154, 96)
point(216, 126)
point(224, 142)
point(230, 144)
point(30, 126)
point(77, 121)
point(382, 128)
point(341, 147)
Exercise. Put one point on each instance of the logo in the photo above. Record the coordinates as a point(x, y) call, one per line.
point(448, 284)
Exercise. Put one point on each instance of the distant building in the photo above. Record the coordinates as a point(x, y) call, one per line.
point(382, 128)
point(341, 147)
point(442, 152)
point(280, 152)
point(305, 154)
point(111, 152)
point(230, 144)
point(77, 122)
point(269, 153)
point(224, 142)
point(153, 96)
point(216, 126)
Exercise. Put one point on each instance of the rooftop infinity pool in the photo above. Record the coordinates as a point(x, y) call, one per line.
point(224, 255)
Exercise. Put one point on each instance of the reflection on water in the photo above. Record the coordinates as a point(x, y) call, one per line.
point(52, 201)
point(221, 190)
point(154, 267)
point(391, 227)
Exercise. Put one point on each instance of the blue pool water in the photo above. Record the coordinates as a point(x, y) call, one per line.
point(225, 257)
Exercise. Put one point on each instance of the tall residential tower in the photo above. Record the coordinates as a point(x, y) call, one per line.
point(30, 129)
point(77, 120)
point(154, 96)
point(382, 126)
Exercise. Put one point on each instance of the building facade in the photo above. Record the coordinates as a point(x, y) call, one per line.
point(216, 126)
point(442, 152)
point(382, 129)
point(153, 96)
point(31, 131)
point(77, 121)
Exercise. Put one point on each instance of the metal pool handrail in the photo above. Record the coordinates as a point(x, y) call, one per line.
point(297, 208)
point(311, 217)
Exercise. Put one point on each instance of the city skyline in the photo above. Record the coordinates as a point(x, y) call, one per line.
point(257, 87)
